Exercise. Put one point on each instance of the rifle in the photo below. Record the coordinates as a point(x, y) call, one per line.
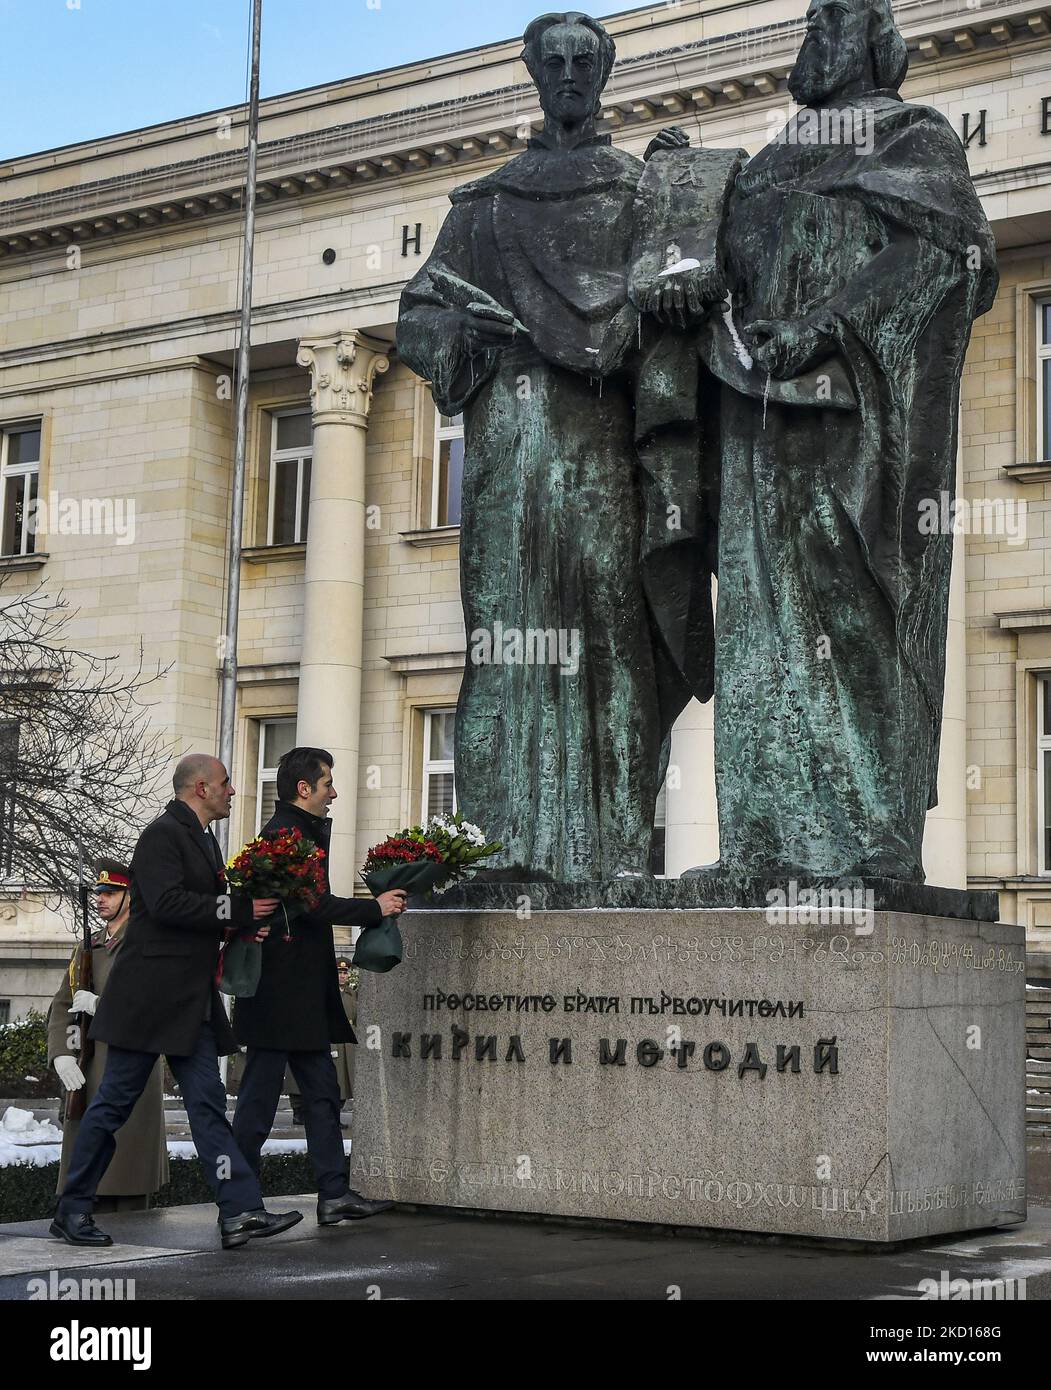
point(83, 978)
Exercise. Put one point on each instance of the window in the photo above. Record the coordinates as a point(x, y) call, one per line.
point(9, 732)
point(276, 737)
point(1043, 771)
point(19, 474)
point(291, 444)
point(439, 793)
point(1043, 380)
point(448, 470)
point(5, 1011)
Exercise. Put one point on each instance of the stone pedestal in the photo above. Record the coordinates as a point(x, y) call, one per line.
point(857, 1079)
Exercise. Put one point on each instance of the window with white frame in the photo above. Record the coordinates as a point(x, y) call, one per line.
point(276, 738)
point(1043, 379)
point(1043, 771)
point(291, 450)
point(448, 470)
point(439, 792)
point(19, 478)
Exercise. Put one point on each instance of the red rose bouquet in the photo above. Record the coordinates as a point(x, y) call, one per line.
point(417, 859)
point(288, 867)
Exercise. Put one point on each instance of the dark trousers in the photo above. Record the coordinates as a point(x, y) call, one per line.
point(233, 1182)
point(257, 1101)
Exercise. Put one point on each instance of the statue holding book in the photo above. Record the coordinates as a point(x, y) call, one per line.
point(522, 319)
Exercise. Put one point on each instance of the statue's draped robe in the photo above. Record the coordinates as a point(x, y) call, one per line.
point(562, 766)
point(833, 594)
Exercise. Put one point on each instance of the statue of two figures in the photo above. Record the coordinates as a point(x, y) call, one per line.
point(698, 364)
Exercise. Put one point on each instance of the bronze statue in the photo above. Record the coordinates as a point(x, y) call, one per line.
point(521, 319)
point(690, 364)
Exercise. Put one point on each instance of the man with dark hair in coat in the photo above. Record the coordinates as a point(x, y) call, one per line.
point(297, 1012)
point(161, 998)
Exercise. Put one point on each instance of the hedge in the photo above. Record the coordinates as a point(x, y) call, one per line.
point(27, 1193)
point(23, 1054)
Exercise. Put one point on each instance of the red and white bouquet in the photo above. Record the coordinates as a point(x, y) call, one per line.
point(418, 859)
point(288, 867)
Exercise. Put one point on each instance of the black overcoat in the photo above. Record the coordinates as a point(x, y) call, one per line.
point(297, 1006)
point(162, 985)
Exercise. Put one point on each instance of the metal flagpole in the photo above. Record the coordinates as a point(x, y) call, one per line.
point(228, 698)
point(228, 701)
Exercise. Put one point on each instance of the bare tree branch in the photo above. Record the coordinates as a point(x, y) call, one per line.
point(78, 760)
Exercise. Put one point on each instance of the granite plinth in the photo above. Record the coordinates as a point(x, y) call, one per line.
point(677, 1067)
point(700, 888)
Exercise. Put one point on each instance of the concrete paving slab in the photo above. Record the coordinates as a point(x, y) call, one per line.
point(433, 1255)
point(33, 1254)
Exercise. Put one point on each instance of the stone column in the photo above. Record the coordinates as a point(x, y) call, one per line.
point(945, 831)
point(342, 368)
point(692, 814)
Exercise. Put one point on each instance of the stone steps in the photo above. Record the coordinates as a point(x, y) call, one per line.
point(1038, 1062)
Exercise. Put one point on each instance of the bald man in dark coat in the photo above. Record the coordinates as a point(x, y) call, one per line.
point(161, 998)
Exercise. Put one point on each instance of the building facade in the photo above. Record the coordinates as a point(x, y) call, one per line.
point(119, 279)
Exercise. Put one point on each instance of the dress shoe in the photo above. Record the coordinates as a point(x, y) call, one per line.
point(239, 1230)
point(78, 1228)
point(352, 1206)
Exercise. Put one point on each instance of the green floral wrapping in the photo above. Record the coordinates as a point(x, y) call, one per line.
point(242, 963)
point(242, 959)
point(379, 948)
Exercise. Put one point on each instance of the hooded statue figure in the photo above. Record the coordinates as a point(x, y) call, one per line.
point(858, 256)
point(521, 319)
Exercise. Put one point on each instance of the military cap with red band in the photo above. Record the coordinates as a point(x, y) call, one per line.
point(109, 879)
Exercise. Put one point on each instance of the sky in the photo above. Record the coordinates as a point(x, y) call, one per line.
point(79, 69)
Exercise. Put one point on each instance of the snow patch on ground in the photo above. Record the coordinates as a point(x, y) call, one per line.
point(24, 1139)
point(20, 1127)
point(184, 1148)
point(38, 1142)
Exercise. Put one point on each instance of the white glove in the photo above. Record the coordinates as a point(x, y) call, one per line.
point(69, 1073)
point(84, 1002)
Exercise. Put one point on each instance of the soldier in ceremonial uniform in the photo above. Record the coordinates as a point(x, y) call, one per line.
point(140, 1164)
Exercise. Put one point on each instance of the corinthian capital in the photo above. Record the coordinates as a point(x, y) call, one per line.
point(342, 369)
